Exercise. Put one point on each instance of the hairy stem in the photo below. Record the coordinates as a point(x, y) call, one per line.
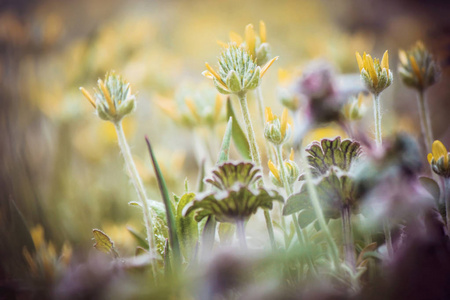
point(139, 187)
point(425, 122)
point(388, 237)
point(240, 229)
point(260, 100)
point(377, 119)
point(255, 158)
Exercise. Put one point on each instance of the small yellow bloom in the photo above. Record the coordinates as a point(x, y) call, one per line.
point(274, 170)
point(375, 75)
point(438, 159)
point(277, 130)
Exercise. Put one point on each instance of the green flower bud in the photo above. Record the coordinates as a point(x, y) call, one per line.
point(277, 131)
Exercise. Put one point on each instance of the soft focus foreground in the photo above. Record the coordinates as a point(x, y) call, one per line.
point(309, 161)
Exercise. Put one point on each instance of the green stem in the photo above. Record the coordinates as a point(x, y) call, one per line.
point(388, 237)
point(255, 158)
point(425, 122)
point(347, 233)
point(139, 187)
point(260, 100)
point(319, 213)
point(240, 229)
point(288, 188)
point(377, 119)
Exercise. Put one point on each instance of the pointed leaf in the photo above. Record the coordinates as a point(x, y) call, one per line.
point(239, 137)
point(225, 148)
point(103, 243)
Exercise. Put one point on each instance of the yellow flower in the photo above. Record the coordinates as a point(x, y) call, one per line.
point(238, 73)
point(277, 130)
point(354, 109)
point(375, 75)
point(417, 67)
point(438, 159)
point(254, 43)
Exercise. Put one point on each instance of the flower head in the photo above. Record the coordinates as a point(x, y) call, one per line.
point(376, 76)
point(354, 109)
point(113, 100)
point(293, 171)
point(439, 159)
point(276, 130)
point(234, 200)
point(237, 73)
point(254, 43)
point(417, 67)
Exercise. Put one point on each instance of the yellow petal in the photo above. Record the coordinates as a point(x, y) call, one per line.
point(284, 119)
point(169, 107)
point(191, 105)
point(403, 57)
point(360, 61)
point(222, 44)
point(438, 149)
point(385, 62)
point(262, 31)
point(360, 99)
point(88, 96)
point(274, 170)
point(291, 156)
point(429, 157)
point(214, 73)
point(236, 38)
point(267, 66)
point(269, 114)
point(111, 106)
point(218, 106)
point(208, 74)
point(250, 39)
point(368, 62)
point(415, 68)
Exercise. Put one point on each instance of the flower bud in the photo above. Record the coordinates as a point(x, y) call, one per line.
point(277, 131)
point(376, 76)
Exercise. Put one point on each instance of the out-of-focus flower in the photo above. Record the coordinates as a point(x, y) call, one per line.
point(236, 200)
point(293, 171)
point(417, 67)
point(255, 44)
point(194, 107)
point(376, 76)
point(438, 159)
point(238, 73)
point(45, 263)
point(354, 109)
point(113, 99)
point(276, 130)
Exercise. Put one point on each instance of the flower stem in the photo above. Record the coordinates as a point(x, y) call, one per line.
point(425, 122)
point(319, 213)
point(255, 158)
point(349, 247)
point(260, 100)
point(388, 237)
point(241, 234)
point(377, 119)
point(139, 187)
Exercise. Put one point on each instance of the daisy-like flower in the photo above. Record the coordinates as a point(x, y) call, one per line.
point(417, 67)
point(253, 43)
point(238, 73)
point(277, 130)
point(439, 159)
point(113, 100)
point(292, 169)
point(376, 76)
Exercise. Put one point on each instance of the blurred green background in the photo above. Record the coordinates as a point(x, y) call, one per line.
point(61, 165)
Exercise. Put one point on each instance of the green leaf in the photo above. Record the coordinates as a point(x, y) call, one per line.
point(140, 239)
point(171, 223)
point(225, 148)
point(297, 202)
point(187, 227)
point(239, 137)
point(306, 217)
point(228, 174)
point(201, 175)
point(103, 243)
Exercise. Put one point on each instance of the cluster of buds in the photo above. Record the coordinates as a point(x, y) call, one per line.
point(255, 44)
point(376, 76)
point(277, 131)
point(354, 109)
point(113, 100)
point(238, 72)
point(292, 169)
point(438, 159)
point(417, 67)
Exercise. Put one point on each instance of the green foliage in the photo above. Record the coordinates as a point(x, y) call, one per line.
point(229, 174)
point(103, 243)
point(187, 228)
point(225, 148)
